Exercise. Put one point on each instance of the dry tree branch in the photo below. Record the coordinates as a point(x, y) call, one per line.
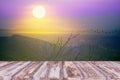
point(66, 42)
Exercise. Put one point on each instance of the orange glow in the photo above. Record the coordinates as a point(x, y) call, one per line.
point(46, 25)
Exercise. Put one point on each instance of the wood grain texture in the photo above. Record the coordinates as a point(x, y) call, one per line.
point(59, 70)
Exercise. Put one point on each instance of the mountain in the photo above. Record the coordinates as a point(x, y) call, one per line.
point(84, 47)
point(97, 47)
point(18, 47)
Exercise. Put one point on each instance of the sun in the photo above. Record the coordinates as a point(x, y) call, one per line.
point(39, 12)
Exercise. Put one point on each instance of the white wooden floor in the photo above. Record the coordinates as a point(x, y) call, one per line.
point(61, 70)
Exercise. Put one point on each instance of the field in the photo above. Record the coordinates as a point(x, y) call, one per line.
point(59, 70)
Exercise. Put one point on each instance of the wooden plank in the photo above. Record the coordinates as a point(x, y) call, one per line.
point(60, 70)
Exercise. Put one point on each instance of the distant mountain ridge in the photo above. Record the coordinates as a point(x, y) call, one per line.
point(87, 47)
point(19, 47)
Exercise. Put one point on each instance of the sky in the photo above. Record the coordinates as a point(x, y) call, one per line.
point(61, 15)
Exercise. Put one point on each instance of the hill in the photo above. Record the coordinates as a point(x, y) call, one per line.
point(84, 47)
point(19, 47)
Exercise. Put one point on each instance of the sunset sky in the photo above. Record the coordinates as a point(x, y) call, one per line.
point(61, 15)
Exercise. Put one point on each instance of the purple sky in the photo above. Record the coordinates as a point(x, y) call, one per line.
point(98, 12)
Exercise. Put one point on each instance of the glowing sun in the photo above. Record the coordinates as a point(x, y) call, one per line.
point(39, 12)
